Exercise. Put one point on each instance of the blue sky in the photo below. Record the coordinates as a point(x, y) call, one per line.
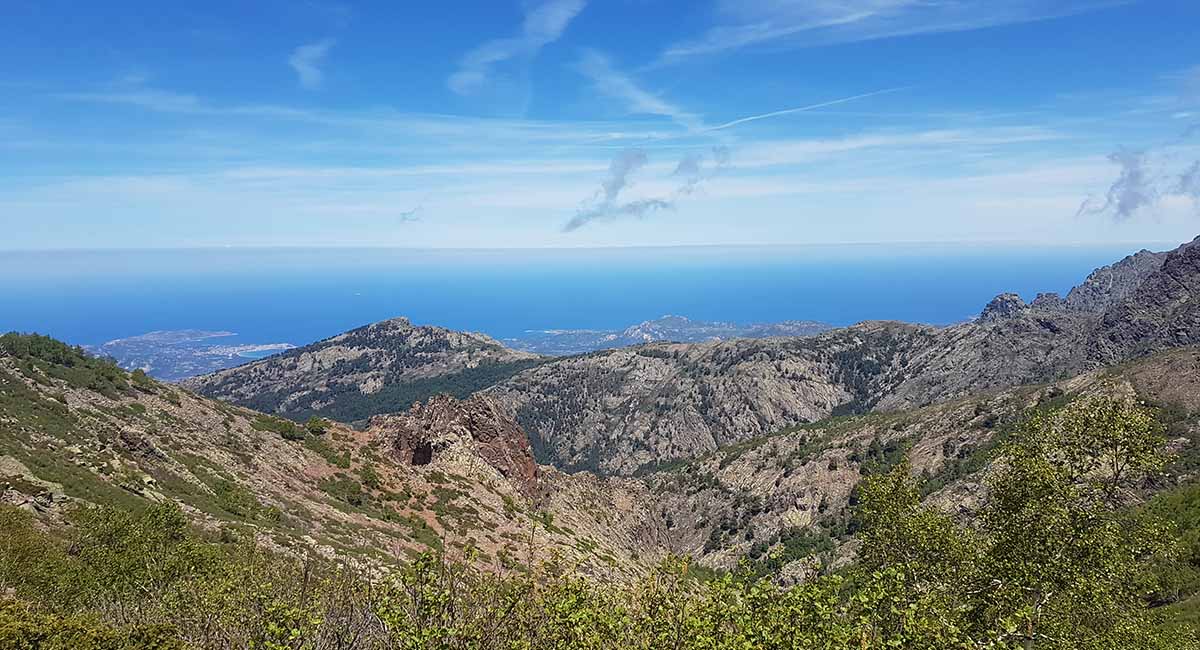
point(563, 123)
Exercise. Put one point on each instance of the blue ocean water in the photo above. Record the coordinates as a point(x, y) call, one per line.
point(302, 295)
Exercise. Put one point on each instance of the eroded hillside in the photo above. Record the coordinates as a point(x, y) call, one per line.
point(78, 429)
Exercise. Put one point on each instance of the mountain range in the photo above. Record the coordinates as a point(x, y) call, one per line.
point(744, 451)
point(626, 410)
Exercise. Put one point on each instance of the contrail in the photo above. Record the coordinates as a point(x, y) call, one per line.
point(801, 109)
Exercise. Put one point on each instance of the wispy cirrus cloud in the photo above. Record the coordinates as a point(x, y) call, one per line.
point(796, 23)
point(544, 23)
point(622, 87)
point(379, 123)
point(306, 60)
point(617, 85)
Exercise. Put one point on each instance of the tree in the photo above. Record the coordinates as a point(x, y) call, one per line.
point(1063, 555)
point(1053, 560)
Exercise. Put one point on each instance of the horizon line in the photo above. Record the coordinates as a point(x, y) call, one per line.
point(615, 247)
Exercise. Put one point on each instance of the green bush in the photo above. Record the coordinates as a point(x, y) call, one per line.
point(24, 629)
point(285, 428)
point(142, 381)
point(317, 426)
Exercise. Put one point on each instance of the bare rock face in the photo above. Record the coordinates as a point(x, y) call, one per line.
point(1108, 285)
point(1162, 311)
point(1048, 301)
point(478, 425)
point(629, 410)
point(1002, 306)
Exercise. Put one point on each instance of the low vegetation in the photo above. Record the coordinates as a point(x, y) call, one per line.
point(42, 358)
point(347, 403)
point(1056, 559)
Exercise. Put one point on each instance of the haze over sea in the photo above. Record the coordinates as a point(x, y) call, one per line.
point(302, 295)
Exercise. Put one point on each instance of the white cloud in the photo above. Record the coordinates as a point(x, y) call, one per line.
point(382, 124)
point(608, 81)
point(784, 152)
point(544, 24)
point(306, 60)
point(800, 23)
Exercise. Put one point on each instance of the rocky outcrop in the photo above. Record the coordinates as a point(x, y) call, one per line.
point(1109, 285)
point(1162, 311)
point(1049, 300)
point(1023, 346)
point(430, 431)
point(1005, 305)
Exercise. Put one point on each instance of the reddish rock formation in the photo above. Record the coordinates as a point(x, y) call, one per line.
point(427, 430)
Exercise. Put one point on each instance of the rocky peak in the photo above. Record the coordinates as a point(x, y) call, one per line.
point(1108, 285)
point(1048, 300)
point(1162, 311)
point(1005, 305)
point(443, 425)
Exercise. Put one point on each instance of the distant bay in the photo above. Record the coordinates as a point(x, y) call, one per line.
point(302, 295)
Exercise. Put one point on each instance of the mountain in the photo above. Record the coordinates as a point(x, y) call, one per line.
point(624, 411)
point(628, 410)
point(1161, 312)
point(783, 501)
point(1110, 284)
point(621, 411)
point(447, 475)
point(746, 455)
point(679, 329)
point(172, 355)
point(378, 368)
point(460, 475)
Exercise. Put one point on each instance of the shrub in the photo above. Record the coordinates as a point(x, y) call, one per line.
point(285, 428)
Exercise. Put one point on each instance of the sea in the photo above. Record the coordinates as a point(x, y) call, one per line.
point(299, 295)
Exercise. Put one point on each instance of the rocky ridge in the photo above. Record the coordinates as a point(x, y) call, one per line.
point(628, 410)
point(755, 499)
point(624, 411)
point(459, 475)
point(379, 368)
